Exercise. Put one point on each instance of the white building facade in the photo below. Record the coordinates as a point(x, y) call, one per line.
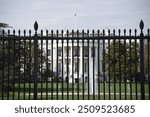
point(74, 60)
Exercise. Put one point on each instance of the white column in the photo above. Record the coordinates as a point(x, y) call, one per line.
point(54, 56)
point(96, 69)
point(101, 57)
point(90, 72)
point(71, 57)
point(96, 61)
point(91, 83)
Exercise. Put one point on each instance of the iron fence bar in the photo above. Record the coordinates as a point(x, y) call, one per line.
point(35, 60)
point(52, 66)
point(109, 66)
point(47, 69)
point(93, 52)
point(125, 66)
point(41, 69)
point(24, 66)
point(57, 64)
point(149, 67)
point(83, 81)
point(88, 67)
point(148, 57)
point(67, 66)
point(114, 64)
point(3, 70)
point(19, 67)
point(73, 38)
point(78, 55)
point(73, 67)
point(130, 66)
point(119, 67)
point(21, 37)
point(98, 61)
point(13, 82)
point(104, 78)
point(8, 49)
point(41, 66)
point(135, 43)
point(30, 68)
point(142, 60)
point(62, 60)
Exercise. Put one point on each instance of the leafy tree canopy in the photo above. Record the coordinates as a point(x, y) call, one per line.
point(4, 25)
point(122, 60)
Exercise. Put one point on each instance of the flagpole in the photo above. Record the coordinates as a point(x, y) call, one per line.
point(75, 18)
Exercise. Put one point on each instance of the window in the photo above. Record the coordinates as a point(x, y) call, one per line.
point(76, 51)
point(68, 51)
point(86, 52)
point(92, 52)
point(59, 51)
point(103, 66)
point(85, 67)
point(76, 66)
point(49, 52)
point(59, 68)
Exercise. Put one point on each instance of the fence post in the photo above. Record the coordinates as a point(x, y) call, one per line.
point(142, 60)
point(35, 59)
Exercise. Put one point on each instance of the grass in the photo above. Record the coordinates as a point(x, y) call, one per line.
point(70, 97)
point(75, 91)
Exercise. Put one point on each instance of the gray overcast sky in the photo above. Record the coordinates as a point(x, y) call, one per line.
point(91, 14)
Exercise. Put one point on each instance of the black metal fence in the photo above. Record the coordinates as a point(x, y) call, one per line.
point(84, 65)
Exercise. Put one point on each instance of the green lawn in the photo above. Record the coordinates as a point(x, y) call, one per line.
point(75, 91)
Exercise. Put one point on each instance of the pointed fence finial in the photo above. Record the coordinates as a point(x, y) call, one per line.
point(141, 25)
point(35, 26)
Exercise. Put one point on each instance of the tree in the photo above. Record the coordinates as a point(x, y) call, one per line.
point(17, 60)
point(49, 75)
point(4, 60)
point(122, 60)
point(4, 25)
point(27, 60)
point(146, 57)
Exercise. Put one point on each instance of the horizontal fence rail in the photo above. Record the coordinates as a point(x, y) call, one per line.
point(75, 65)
